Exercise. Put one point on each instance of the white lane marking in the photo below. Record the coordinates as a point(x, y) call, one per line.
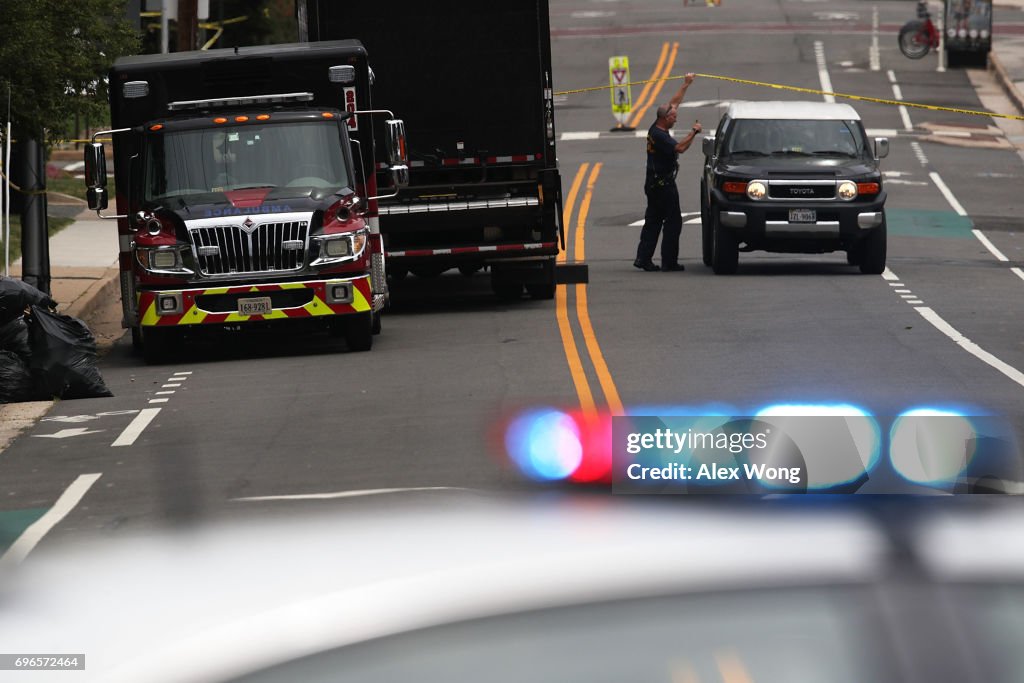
point(86, 418)
point(889, 275)
point(35, 532)
point(895, 284)
point(919, 153)
point(873, 58)
point(907, 296)
point(170, 386)
point(184, 372)
point(159, 400)
point(952, 133)
point(65, 433)
point(944, 189)
point(826, 81)
point(960, 210)
point(883, 132)
point(991, 247)
point(132, 431)
point(904, 114)
point(586, 135)
point(902, 291)
point(348, 494)
point(1018, 272)
point(969, 346)
point(163, 393)
point(687, 217)
point(915, 301)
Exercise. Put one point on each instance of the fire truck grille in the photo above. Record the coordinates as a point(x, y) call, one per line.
point(264, 248)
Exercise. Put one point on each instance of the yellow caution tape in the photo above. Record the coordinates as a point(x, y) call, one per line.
point(812, 91)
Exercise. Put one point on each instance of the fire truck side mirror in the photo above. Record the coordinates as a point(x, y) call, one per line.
point(96, 197)
point(397, 150)
point(398, 154)
point(95, 166)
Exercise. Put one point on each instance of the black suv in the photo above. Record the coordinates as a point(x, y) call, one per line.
point(793, 177)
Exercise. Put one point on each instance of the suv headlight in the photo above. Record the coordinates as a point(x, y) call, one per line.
point(756, 190)
point(847, 190)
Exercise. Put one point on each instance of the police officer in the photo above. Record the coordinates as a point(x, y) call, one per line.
point(660, 187)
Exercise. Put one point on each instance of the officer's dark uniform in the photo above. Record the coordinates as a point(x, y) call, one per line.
point(662, 202)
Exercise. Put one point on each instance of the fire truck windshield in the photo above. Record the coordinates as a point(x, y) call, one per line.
point(302, 155)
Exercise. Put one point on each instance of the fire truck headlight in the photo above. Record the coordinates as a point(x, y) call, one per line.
point(337, 248)
point(164, 259)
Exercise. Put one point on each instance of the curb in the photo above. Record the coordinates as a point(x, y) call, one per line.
point(996, 67)
point(95, 295)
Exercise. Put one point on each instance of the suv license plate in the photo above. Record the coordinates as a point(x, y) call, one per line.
point(803, 216)
point(255, 306)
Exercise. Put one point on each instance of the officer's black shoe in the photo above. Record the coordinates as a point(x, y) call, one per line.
point(673, 266)
point(648, 265)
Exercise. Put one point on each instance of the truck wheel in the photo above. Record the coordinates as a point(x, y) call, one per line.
point(469, 269)
point(872, 254)
point(725, 255)
point(359, 332)
point(508, 291)
point(706, 236)
point(541, 290)
point(158, 346)
point(376, 323)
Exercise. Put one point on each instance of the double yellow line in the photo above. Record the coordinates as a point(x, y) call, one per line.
point(577, 243)
point(657, 79)
point(576, 238)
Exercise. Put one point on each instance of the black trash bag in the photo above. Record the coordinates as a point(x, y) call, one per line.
point(16, 296)
point(63, 356)
point(14, 338)
point(15, 379)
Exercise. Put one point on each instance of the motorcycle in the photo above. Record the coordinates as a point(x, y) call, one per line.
point(918, 36)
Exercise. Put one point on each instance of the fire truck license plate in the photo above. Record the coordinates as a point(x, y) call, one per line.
point(255, 306)
point(803, 216)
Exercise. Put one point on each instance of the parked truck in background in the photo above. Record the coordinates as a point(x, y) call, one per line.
point(473, 82)
point(247, 189)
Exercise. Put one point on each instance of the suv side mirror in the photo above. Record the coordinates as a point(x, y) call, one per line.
point(707, 145)
point(881, 148)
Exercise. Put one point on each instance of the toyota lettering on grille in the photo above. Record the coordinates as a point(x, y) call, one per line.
point(801, 191)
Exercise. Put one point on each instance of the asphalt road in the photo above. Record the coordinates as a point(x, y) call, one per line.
point(423, 410)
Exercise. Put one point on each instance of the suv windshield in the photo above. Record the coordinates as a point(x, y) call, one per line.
point(301, 155)
point(764, 137)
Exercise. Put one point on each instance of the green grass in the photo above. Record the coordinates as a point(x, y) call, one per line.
point(53, 225)
point(74, 187)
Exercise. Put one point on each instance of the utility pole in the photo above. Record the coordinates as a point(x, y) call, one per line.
point(35, 239)
point(187, 25)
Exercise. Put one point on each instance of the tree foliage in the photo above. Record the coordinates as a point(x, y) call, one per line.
point(54, 57)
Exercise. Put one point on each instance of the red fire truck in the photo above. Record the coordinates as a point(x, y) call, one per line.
point(247, 189)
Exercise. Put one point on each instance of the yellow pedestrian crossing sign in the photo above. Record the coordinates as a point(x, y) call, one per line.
point(618, 75)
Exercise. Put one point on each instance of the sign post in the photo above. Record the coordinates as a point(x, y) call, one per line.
point(622, 97)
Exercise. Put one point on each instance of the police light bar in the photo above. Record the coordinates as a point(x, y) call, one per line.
point(241, 101)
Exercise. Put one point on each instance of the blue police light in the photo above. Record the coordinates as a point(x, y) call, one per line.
point(545, 444)
point(932, 445)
